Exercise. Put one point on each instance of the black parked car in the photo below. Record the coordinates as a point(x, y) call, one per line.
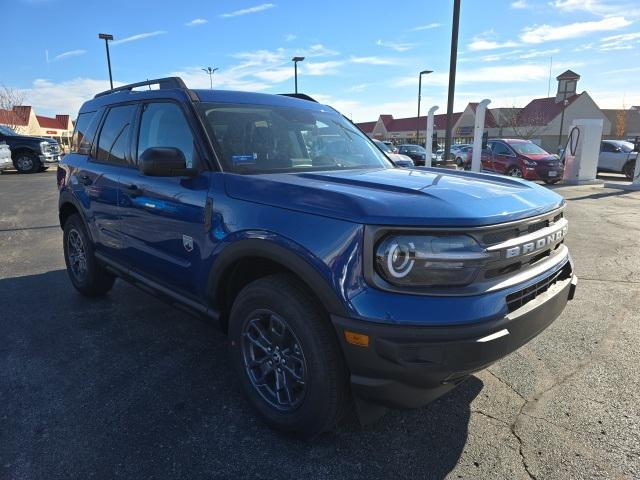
point(417, 153)
point(30, 154)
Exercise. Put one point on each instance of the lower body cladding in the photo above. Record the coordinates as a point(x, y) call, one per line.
point(409, 367)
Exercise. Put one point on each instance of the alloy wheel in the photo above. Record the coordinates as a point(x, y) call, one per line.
point(24, 163)
point(515, 172)
point(77, 255)
point(274, 360)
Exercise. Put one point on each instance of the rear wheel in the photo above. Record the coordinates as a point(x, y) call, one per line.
point(514, 172)
point(86, 274)
point(629, 169)
point(288, 359)
point(27, 162)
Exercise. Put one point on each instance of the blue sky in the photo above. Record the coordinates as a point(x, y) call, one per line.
point(361, 57)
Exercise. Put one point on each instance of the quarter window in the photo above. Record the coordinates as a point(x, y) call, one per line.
point(164, 125)
point(114, 136)
point(85, 130)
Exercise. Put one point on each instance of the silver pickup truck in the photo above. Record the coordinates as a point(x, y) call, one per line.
point(5, 157)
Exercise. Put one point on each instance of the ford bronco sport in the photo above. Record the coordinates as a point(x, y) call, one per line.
point(340, 279)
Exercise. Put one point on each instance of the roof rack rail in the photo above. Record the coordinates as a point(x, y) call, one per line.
point(168, 82)
point(301, 96)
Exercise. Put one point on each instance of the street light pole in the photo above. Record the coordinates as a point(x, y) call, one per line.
point(423, 72)
point(295, 61)
point(452, 76)
point(210, 71)
point(106, 37)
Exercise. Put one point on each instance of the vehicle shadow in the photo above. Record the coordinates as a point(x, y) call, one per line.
point(128, 387)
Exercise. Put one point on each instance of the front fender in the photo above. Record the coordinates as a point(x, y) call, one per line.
point(313, 271)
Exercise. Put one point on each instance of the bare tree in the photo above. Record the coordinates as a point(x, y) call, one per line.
point(526, 128)
point(9, 98)
point(621, 121)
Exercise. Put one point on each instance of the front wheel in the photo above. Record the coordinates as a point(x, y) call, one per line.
point(515, 172)
point(287, 356)
point(629, 169)
point(551, 182)
point(86, 274)
point(26, 162)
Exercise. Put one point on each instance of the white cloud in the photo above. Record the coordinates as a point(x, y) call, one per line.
point(546, 33)
point(246, 11)
point(319, 50)
point(62, 56)
point(139, 36)
point(322, 68)
point(623, 41)
point(66, 97)
point(275, 75)
point(373, 60)
point(594, 7)
point(428, 26)
point(358, 88)
point(290, 37)
point(520, 4)
point(540, 53)
point(196, 21)
point(487, 41)
point(397, 46)
point(492, 75)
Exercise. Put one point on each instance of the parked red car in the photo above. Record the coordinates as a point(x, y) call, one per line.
point(519, 158)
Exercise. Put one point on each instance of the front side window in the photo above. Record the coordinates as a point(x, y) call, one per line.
point(268, 139)
point(501, 149)
point(164, 125)
point(114, 135)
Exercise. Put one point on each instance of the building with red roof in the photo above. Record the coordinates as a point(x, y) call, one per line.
point(23, 120)
point(540, 120)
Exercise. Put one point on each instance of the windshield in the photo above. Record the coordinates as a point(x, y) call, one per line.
point(626, 147)
point(528, 148)
point(383, 146)
point(270, 139)
point(7, 131)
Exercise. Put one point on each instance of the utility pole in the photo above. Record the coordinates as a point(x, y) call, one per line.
point(210, 71)
point(423, 72)
point(452, 76)
point(106, 37)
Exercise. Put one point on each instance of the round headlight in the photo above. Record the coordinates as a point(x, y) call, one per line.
point(400, 258)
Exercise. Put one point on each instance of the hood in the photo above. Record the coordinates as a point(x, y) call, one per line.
point(398, 196)
point(27, 138)
point(541, 157)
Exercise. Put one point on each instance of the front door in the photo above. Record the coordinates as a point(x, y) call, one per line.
point(163, 217)
point(502, 157)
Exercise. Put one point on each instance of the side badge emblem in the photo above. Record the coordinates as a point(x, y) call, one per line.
point(187, 242)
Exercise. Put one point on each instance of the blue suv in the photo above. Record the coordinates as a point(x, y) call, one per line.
point(340, 279)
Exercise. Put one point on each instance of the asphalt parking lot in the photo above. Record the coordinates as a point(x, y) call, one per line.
point(127, 387)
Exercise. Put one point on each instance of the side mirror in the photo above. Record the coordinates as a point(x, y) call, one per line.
point(165, 162)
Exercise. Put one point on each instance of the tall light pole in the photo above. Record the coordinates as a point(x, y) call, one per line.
point(210, 71)
point(423, 72)
point(106, 37)
point(452, 76)
point(295, 61)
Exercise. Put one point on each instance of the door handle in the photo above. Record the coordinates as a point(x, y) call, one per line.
point(85, 180)
point(132, 190)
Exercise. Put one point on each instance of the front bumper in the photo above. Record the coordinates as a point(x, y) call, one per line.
point(50, 159)
point(544, 172)
point(5, 163)
point(408, 367)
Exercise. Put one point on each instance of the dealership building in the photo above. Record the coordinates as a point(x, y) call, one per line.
point(540, 120)
point(23, 120)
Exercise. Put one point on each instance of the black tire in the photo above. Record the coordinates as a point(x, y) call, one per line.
point(550, 182)
point(315, 356)
point(85, 273)
point(514, 172)
point(459, 161)
point(629, 169)
point(26, 162)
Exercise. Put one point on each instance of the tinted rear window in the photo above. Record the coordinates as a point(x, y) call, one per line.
point(84, 132)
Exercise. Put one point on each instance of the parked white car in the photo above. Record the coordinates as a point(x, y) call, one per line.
point(617, 156)
point(5, 157)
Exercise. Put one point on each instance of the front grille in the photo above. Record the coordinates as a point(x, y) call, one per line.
point(518, 299)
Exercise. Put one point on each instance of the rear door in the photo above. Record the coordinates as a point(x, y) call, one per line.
point(98, 177)
point(163, 217)
point(487, 157)
point(606, 159)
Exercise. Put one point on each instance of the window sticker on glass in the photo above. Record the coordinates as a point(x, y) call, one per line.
point(244, 159)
